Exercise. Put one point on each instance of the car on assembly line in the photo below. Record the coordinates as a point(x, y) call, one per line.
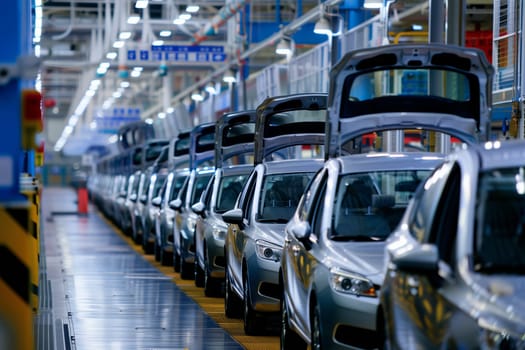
point(456, 265)
point(178, 167)
point(333, 256)
point(289, 135)
point(202, 146)
point(234, 146)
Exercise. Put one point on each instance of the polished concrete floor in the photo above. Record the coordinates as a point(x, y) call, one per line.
point(97, 292)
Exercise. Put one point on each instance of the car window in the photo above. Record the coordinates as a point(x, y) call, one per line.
point(280, 195)
point(159, 182)
point(201, 181)
point(426, 199)
point(445, 220)
point(319, 208)
point(229, 190)
point(208, 191)
point(245, 199)
point(500, 222)
point(309, 196)
point(178, 183)
point(368, 206)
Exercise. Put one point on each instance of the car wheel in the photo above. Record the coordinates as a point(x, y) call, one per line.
point(166, 259)
point(199, 274)
point(289, 338)
point(252, 326)
point(316, 329)
point(176, 261)
point(186, 270)
point(232, 303)
point(156, 248)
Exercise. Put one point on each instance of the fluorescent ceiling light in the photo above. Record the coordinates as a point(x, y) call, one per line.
point(124, 35)
point(210, 88)
point(161, 115)
point(124, 84)
point(118, 44)
point(141, 4)
point(185, 16)
point(148, 121)
point(192, 8)
point(170, 110)
point(133, 19)
point(196, 96)
point(165, 33)
point(157, 43)
point(111, 55)
point(179, 21)
point(229, 77)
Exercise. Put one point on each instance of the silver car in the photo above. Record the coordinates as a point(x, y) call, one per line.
point(388, 101)
point(456, 263)
point(332, 260)
point(202, 143)
point(234, 135)
point(256, 224)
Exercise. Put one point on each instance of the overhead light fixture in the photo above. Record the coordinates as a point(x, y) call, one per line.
point(197, 96)
point(322, 26)
point(179, 21)
point(185, 16)
point(141, 4)
point(373, 4)
point(284, 47)
point(161, 115)
point(148, 121)
point(133, 19)
point(111, 55)
point(118, 44)
point(165, 33)
point(229, 77)
point(192, 8)
point(210, 88)
point(157, 42)
point(124, 35)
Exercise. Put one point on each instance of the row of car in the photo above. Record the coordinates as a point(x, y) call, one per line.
point(347, 218)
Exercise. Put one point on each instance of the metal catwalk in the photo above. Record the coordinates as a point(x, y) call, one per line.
point(96, 292)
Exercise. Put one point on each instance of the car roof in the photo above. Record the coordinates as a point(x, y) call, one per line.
point(389, 161)
point(293, 166)
point(237, 169)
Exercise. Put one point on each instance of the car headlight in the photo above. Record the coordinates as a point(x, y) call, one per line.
point(219, 234)
point(268, 251)
point(351, 283)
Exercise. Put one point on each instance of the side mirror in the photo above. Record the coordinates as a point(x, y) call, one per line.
point(133, 197)
point(199, 208)
point(143, 198)
point(423, 259)
point(176, 204)
point(156, 201)
point(233, 216)
point(301, 231)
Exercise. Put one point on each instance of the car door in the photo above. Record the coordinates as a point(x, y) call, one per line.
point(425, 298)
point(236, 236)
point(299, 259)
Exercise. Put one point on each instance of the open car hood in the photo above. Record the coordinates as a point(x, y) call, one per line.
point(438, 87)
point(280, 124)
point(234, 134)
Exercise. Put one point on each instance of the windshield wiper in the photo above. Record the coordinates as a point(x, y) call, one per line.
point(356, 238)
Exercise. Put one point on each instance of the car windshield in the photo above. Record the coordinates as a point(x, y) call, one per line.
point(500, 222)
point(229, 190)
point(368, 206)
point(280, 196)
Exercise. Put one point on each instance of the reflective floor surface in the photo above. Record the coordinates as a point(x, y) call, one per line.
point(96, 292)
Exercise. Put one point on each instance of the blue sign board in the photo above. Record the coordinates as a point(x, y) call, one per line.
point(179, 53)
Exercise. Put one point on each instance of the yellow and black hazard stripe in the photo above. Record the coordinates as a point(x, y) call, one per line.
point(17, 272)
point(34, 232)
